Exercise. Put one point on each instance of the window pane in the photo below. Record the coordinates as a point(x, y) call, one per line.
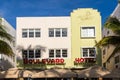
point(64, 32)
point(88, 32)
point(58, 53)
point(24, 33)
point(31, 53)
point(57, 32)
point(64, 53)
point(37, 53)
point(92, 52)
point(51, 53)
point(37, 32)
point(91, 32)
point(25, 54)
point(31, 32)
point(85, 52)
point(51, 32)
point(84, 32)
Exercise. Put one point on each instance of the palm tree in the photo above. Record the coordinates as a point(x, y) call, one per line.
point(112, 24)
point(4, 38)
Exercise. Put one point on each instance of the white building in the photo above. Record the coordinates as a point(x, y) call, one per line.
point(5, 61)
point(50, 34)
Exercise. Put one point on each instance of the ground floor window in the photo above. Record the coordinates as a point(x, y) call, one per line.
point(32, 53)
point(88, 52)
point(58, 53)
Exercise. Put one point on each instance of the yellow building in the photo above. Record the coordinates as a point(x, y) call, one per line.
point(86, 29)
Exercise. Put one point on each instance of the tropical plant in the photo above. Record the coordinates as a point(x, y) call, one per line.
point(112, 24)
point(4, 39)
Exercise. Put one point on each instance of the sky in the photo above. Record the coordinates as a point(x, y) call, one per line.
point(10, 9)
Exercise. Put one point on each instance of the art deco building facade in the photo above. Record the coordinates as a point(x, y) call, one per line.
point(62, 41)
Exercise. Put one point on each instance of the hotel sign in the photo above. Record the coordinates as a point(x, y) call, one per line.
point(85, 60)
point(44, 61)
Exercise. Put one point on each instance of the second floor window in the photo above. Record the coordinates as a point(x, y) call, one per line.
point(37, 32)
point(31, 33)
point(24, 33)
point(51, 32)
point(87, 32)
point(57, 32)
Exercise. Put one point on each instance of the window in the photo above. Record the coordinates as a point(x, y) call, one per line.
point(88, 52)
point(37, 32)
point(24, 33)
point(64, 53)
point(51, 32)
point(24, 53)
point(58, 53)
point(37, 53)
point(31, 32)
point(31, 53)
point(57, 32)
point(64, 32)
point(88, 32)
point(117, 59)
point(51, 53)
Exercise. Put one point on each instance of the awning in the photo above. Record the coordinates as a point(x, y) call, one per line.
point(92, 72)
point(10, 73)
point(54, 73)
point(115, 73)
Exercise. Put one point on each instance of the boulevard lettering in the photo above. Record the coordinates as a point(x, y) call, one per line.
point(43, 61)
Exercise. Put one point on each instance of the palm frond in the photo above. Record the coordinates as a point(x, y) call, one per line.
point(114, 40)
point(5, 48)
point(113, 24)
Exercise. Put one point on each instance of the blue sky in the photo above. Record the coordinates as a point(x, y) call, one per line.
point(10, 9)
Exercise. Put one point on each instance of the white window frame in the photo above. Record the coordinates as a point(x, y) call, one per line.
point(34, 57)
point(24, 30)
point(60, 30)
point(28, 32)
point(37, 31)
point(87, 32)
point(53, 32)
point(88, 52)
point(60, 52)
point(64, 29)
point(33, 31)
